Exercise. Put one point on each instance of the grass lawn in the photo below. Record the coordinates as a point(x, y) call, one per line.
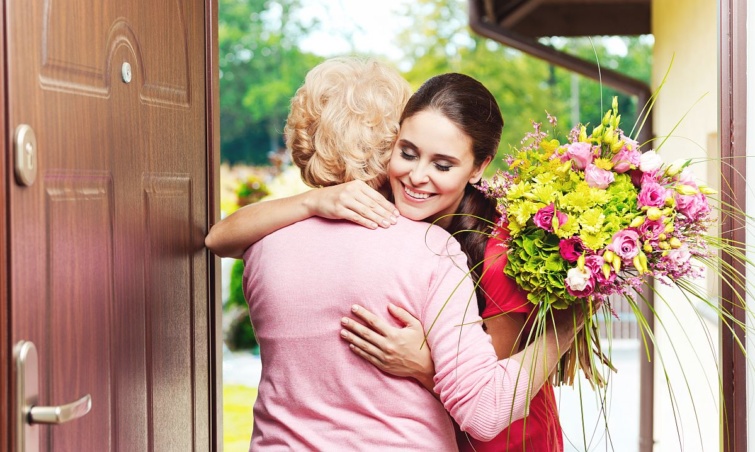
point(237, 417)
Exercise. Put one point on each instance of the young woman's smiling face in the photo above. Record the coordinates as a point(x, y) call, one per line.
point(431, 164)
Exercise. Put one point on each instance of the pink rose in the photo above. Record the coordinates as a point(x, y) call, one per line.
point(694, 207)
point(580, 153)
point(598, 178)
point(544, 217)
point(652, 194)
point(679, 256)
point(579, 283)
point(571, 248)
point(625, 244)
point(651, 229)
point(629, 143)
point(595, 264)
point(625, 159)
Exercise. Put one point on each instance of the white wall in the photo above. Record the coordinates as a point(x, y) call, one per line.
point(687, 30)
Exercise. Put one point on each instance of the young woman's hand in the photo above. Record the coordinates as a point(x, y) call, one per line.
point(398, 351)
point(353, 201)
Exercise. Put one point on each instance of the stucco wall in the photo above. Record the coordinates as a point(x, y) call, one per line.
point(687, 31)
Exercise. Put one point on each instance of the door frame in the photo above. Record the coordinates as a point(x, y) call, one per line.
point(212, 105)
point(5, 346)
point(215, 382)
point(732, 70)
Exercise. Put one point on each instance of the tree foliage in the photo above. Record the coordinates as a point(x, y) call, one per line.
point(261, 67)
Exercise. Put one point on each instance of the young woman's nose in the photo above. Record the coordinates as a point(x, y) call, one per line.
point(418, 175)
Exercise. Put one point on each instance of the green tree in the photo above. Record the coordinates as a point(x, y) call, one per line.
point(636, 62)
point(261, 67)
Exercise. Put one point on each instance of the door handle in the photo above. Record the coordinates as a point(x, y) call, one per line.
point(60, 414)
point(28, 414)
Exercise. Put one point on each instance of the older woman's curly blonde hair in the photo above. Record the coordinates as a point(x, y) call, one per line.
point(344, 120)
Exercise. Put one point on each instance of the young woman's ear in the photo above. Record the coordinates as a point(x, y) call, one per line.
point(477, 173)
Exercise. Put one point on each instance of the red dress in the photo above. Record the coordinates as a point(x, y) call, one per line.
point(541, 430)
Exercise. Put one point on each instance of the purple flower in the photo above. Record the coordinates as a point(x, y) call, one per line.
point(571, 248)
point(694, 207)
point(652, 194)
point(544, 217)
point(625, 159)
point(651, 229)
point(598, 178)
point(625, 244)
point(579, 283)
point(636, 176)
point(580, 153)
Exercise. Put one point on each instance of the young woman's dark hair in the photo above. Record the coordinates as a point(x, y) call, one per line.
point(474, 110)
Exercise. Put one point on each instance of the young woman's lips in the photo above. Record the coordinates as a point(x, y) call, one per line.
point(416, 196)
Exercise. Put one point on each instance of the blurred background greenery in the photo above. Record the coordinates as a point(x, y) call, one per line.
point(267, 47)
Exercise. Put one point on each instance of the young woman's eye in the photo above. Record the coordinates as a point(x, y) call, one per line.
point(442, 166)
point(407, 154)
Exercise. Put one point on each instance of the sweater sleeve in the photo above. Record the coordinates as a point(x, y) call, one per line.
point(482, 394)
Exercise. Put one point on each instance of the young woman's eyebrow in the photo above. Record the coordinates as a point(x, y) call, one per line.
point(406, 143)
point(449, 158)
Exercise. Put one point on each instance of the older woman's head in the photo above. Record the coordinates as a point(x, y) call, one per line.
point(344, 120)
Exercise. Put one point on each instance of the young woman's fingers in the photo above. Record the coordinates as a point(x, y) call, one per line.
point(371, 359)
point(380, 205)
point(372, 321)
point(367, 346)
point(367, 208)
point(403, 315)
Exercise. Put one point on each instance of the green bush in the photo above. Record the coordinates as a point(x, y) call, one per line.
point(239, 334)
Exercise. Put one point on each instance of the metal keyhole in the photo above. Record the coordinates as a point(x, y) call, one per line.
point(25, 143)
point(126, 72)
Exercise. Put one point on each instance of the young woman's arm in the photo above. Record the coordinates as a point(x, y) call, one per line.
point(354, 201)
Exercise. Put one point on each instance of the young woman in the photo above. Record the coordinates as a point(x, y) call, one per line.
point(449, 133)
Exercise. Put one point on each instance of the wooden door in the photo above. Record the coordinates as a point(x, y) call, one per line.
point(108, 275)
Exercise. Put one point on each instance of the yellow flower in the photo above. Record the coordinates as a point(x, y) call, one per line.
point(592, 220)
point(603, 164)
point(549, 145)
point(686, 190)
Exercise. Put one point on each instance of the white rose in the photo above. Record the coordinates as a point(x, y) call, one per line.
point(650, 161)
point(577, 279)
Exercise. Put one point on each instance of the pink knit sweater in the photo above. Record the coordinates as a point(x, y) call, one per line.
point(317, 395)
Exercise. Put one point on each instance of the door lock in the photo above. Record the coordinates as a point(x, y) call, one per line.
point(25, 144)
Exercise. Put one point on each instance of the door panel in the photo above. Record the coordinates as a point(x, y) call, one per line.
point(108, 272)
point(79, 305)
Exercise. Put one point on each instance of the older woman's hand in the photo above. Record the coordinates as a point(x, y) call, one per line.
point(402, 352)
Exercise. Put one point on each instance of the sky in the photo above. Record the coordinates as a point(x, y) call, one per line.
point(372, 24)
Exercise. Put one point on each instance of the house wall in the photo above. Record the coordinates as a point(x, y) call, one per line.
point(686, 30)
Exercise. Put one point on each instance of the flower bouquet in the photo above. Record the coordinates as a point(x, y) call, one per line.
point(594, 217)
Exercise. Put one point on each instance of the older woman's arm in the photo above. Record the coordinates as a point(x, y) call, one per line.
point(354, 201)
